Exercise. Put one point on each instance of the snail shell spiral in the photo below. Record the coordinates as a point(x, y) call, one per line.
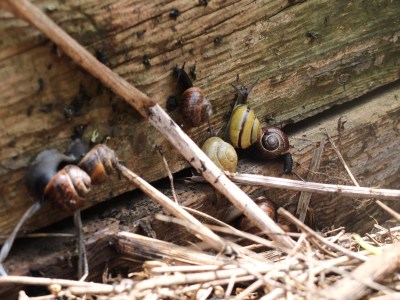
point(266, 206)
point(221, 153)
point(67, 188)
point(273, 143)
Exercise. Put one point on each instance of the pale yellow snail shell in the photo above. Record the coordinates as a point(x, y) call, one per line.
point(221, 153)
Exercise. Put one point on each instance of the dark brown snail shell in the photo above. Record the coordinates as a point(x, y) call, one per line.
point(99, 162)
point(272, 143)
point(42, 170)
point(66, 189)
point(196, 109)
point(51, 178)
point(267, 207)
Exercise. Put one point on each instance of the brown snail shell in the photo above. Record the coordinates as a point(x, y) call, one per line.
point(221, 153)
point(98, 163)
point(266, 206)
point(272, 143)
point(42, 170)
point(67, 188)
point(196, 109)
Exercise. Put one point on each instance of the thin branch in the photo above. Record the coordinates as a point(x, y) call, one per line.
point(171, 178)
point(304, 199)
point(135, 246)
point(49, 281)
point(391, 211)
point(206, 234)
point(321, 188)
point(342, 160)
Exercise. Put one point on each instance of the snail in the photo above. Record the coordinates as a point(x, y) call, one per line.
point(266, 206)
point(98, 163)
point(244, 127)
point(196, 109)
point(272, 144)
point(52, 177)
point(222, 154)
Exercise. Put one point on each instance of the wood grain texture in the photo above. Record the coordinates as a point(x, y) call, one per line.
point(308, 56)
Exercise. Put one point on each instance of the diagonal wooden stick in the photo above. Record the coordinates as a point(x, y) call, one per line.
point(151, 112)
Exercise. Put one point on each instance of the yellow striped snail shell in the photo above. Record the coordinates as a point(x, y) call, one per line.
point(221, 153)
point(244, 127)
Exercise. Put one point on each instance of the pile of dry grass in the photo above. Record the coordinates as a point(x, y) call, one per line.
point(332, 265)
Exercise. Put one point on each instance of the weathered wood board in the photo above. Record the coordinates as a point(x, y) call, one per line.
point(369, 144)
point(308, 57)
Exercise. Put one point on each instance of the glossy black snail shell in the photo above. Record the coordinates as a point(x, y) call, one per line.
point(196, 109)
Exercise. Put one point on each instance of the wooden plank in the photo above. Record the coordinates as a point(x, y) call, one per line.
point(303, 54)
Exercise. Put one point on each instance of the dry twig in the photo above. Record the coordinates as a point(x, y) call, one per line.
point(172, 207)
point(391, 211)
point(321, 188)
point(342, 160)
point(304, 199)
point(170, 176)
point(375, 269)
point(319, 238)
